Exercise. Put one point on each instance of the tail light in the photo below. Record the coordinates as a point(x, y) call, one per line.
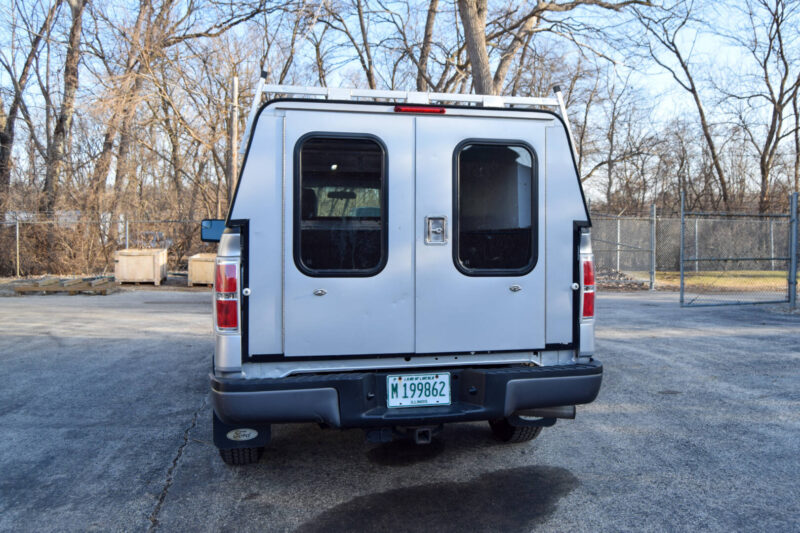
point(587, 286)
point(226, 295)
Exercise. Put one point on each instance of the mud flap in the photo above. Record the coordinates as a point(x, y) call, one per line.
point(245, 435)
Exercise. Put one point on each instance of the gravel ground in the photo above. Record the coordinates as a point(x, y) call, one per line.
point(107, 427)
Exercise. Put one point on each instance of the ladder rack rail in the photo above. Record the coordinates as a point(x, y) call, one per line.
point(403, 97)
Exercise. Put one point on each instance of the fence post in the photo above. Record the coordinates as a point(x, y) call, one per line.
point(652, 247)
point(619, 238)
point(17, 241)
point(683, 231)
point(126, 232)
point(771, 246)
point(696, 250)
point(793, 253)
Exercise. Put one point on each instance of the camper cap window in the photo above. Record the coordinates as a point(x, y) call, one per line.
point(340, 185)
point(496, 209)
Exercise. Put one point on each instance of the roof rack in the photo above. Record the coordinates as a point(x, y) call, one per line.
point(402, 97)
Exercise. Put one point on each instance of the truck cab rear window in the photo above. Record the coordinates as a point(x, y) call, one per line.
point(495, 209)
point(340, 206)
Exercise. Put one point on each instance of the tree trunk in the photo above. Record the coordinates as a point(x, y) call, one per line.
point(715, 159)
point(102, 166)
point(763, 193)
point(796, 142)
point(473, 19)
point(127, 92)
point(520, 38)
point(370, 70)
point(610, 167)
point(7, 127)
point(123, 168)
point(427, 40)
point(56, 150)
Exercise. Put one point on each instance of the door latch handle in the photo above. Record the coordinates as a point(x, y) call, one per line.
point(320, 292)
point(436, 230)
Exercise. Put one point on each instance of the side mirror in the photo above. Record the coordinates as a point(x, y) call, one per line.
point(211, 230)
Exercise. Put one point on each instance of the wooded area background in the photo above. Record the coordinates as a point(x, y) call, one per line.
point(123, 109)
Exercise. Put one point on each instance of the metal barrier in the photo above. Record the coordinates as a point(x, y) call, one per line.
point(713, 259)
point(625, 249)
point(730, 259)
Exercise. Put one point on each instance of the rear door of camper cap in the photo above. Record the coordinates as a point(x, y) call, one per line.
point(480, 276)
point(348, 234)
point(400, 233)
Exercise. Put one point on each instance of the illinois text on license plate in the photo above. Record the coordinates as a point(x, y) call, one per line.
point(414, 390)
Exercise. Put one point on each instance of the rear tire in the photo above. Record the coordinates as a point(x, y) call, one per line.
point(241, 456)
point(504, 431)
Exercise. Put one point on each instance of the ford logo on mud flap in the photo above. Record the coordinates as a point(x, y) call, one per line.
point(242, 434)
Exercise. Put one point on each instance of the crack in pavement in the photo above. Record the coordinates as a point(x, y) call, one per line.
point(168, 482)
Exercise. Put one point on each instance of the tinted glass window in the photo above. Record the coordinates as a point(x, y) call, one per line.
point(340, 206)
point(495, 209)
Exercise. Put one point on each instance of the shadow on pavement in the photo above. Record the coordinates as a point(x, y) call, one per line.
point(505, 500)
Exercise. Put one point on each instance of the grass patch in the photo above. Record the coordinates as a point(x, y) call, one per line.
point(720, 280)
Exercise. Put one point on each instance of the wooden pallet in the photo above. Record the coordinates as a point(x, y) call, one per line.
point(96, 285)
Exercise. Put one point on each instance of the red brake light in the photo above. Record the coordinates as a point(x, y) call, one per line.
point(226, 277)
point(419, 109)
point(588, 304)
point(227, 317)
point(588, 287)
point(226, 289)
point(588, 272)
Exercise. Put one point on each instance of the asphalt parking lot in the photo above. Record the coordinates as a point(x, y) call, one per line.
point(106, 427)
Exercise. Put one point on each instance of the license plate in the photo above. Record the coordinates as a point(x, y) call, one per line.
point(414, 390)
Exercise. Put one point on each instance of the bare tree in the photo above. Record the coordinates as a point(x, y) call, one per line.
point(338, 17)
point(796, 188)
point(511, 29)
point(664, 30)
point(57, 148)
point(123, 94)
point(763, 96)
point(427, 43)
point(19, 80)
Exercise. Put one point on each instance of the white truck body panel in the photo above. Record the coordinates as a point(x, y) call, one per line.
point(563, 206)
point(396, 266)
point(455, 312)
point(419, 303)
point(357, 315)
point(259, 200)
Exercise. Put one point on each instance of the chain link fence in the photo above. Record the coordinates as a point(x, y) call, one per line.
point(637, 252)
point(624, 250)
point(724, 258)
point(711, 258)
point(738, 258)
point(73, 246)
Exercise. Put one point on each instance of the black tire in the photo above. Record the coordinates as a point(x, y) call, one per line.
point(241, 456)
point(504, 431)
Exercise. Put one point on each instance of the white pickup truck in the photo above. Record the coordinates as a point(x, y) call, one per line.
point(396, 261)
